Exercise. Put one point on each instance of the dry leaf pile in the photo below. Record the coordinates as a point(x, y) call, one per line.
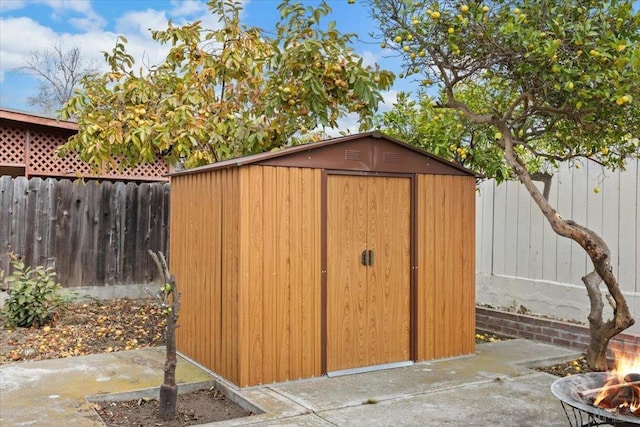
point(87, 328)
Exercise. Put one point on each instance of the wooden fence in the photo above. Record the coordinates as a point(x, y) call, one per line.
point(92, 234)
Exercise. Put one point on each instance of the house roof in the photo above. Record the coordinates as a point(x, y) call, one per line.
point(36, 119)
point(369, 152)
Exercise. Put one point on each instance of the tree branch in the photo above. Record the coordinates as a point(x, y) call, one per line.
point(545, 178)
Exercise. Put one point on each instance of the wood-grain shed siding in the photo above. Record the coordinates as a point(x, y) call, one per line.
point(280, 274)
point(249, 251)
point(269, 214)
point(445, 266)
point(205, 258)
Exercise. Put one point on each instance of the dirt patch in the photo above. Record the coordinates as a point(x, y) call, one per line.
point(521, 309)
point(101, 327)
point(565, 369)
point(484, 337)
point(87, 328)
point(197, 407)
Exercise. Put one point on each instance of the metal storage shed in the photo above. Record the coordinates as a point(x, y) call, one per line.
point(346, 254)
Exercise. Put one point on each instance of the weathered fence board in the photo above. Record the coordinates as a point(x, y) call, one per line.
point(91, 233)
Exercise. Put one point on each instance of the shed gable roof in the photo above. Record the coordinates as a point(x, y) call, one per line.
point(365, 152)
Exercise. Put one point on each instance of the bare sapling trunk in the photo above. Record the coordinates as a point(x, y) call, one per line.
point(601, 332)
point(170, 300)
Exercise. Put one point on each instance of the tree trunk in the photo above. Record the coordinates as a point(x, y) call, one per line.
point(597, 350)
point(167, 402)
point(598, 252)
point(171, 304)
point(169, 389)
point(596, 354)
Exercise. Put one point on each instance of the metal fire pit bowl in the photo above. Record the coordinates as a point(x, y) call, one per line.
point(579, 411)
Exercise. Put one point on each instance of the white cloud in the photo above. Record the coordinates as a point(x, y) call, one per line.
point(138, 23)
point(92, 38)
point(13, 49)
point(63, 5)
point(347, 124)
point(369, 58)
point(7, 5)
point(188, 7)
point(136, 26)
point(88, 20)
point(182, 13)
point(86, 23)
point(388, 99)
point(144, 50)
point(209, 21)
point(91, 45)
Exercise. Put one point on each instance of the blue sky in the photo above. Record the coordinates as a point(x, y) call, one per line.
point(33, 25)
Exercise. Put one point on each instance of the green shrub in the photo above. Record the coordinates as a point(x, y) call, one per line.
point(34, 298)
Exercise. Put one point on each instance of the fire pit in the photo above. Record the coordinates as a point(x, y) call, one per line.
point(603, 398)
point(577, 394)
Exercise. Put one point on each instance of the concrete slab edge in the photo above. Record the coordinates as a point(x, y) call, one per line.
point(148, 393)
point(547, 361)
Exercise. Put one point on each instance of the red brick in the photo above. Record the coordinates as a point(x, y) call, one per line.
point(545, 330)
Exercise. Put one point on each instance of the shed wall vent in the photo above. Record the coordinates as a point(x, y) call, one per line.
point(390, 158)
point(352, 154)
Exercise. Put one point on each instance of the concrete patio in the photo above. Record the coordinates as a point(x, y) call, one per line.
point(493, 388)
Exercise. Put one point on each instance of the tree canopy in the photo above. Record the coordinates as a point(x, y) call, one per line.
point(521, 85)
point(559, 79)
point(225, 92)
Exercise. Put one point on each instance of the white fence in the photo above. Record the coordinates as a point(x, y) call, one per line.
point(521, 261)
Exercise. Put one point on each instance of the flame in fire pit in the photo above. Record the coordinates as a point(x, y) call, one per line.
point(621, 392)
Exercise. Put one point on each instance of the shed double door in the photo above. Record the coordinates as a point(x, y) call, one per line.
point(368, 271)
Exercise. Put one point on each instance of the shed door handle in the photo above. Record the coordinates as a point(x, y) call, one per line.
point(366, 257)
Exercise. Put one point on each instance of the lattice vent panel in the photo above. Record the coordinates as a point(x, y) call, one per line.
point(12, 146)
point(143, 170)
point(44, 160)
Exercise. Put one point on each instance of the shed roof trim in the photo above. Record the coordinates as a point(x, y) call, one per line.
point(270, 155)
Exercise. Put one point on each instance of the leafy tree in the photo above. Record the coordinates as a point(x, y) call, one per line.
point(446, 132)
point(59, 72)
point(224, 93)
point(220, 94)
point(523, 85)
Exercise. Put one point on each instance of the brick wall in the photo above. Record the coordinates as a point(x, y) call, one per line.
point(546, 330)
